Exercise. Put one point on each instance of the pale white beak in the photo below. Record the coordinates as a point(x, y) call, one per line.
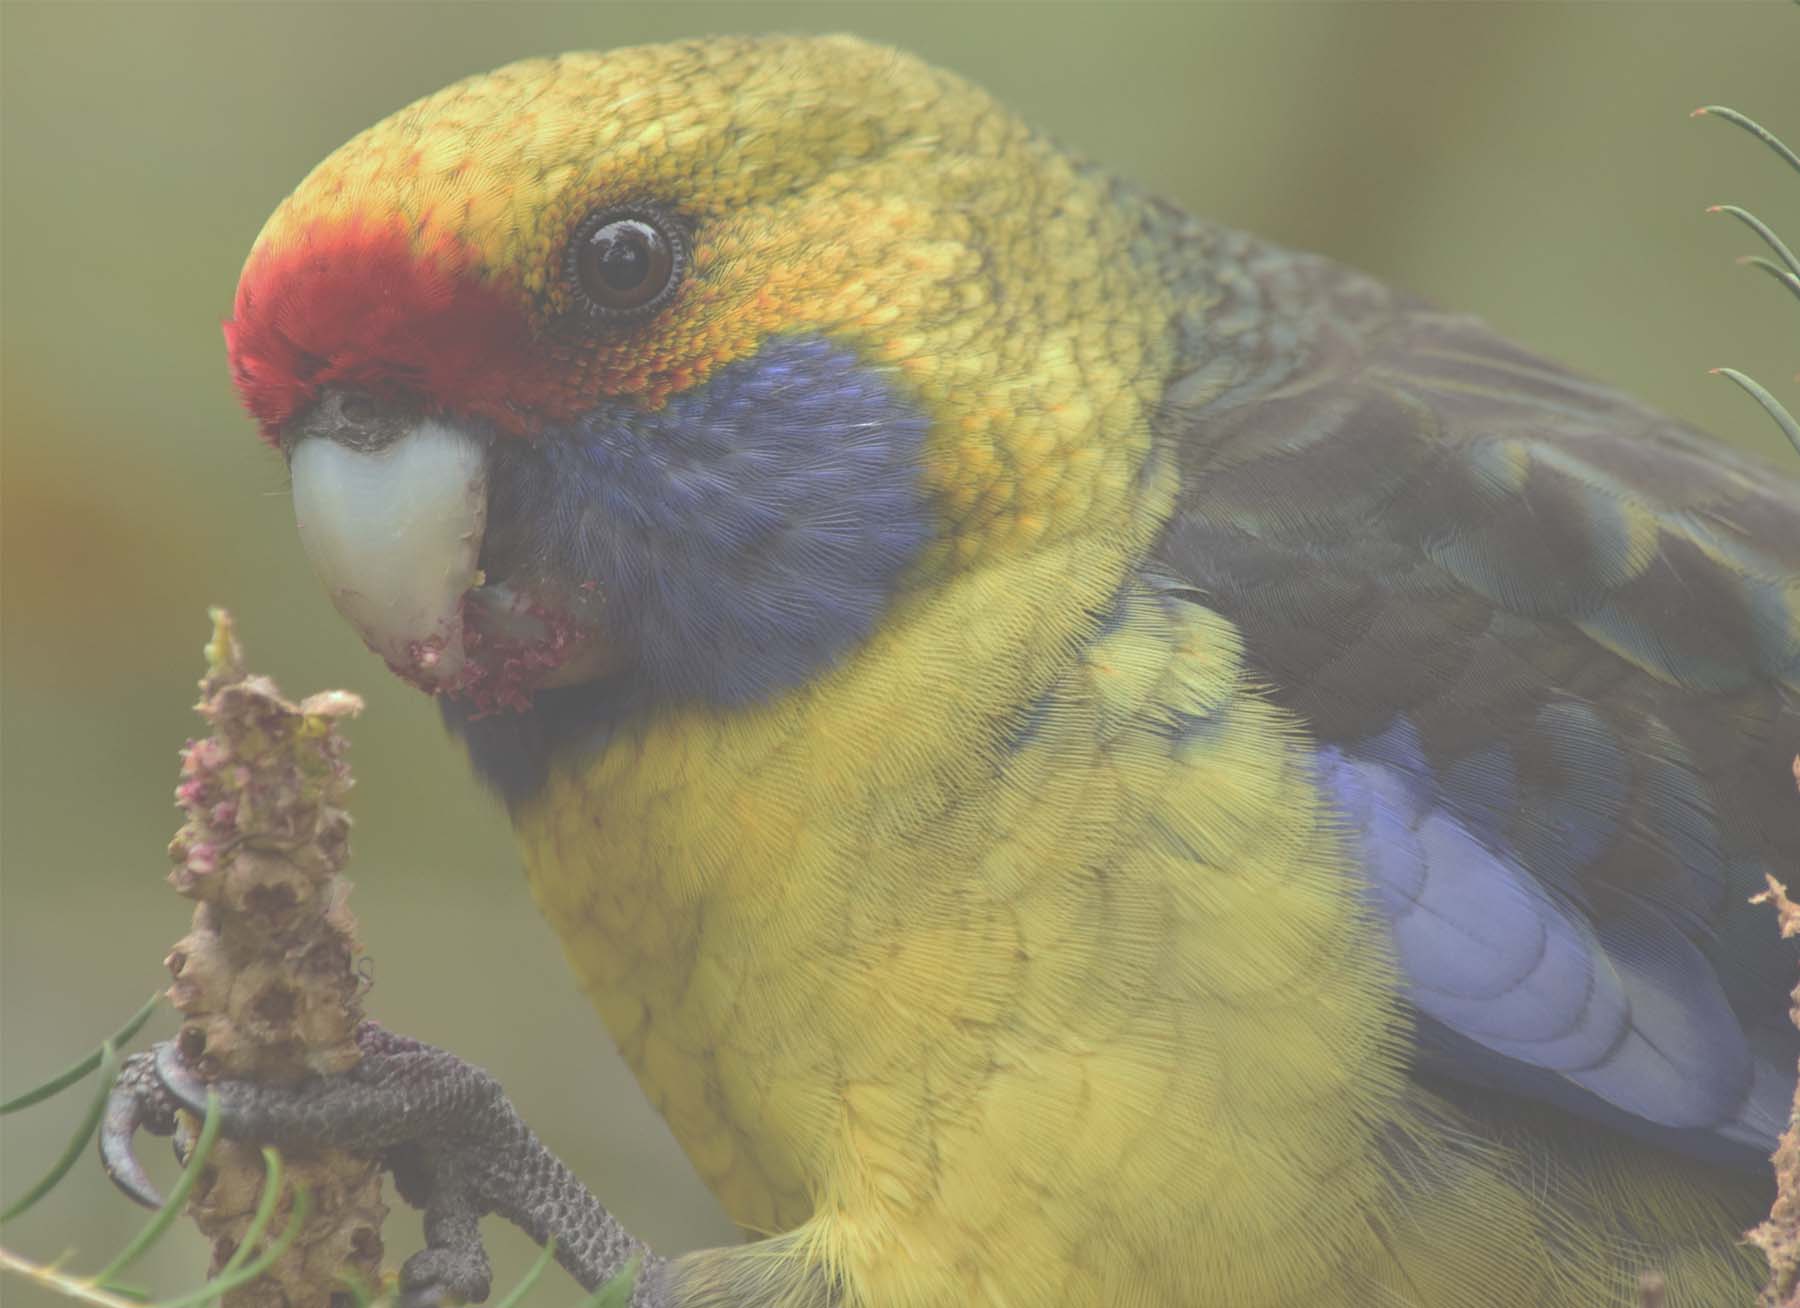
point(395, 535)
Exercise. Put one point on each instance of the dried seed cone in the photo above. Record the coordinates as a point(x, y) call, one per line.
point(1779, 1237)
point(266, 980)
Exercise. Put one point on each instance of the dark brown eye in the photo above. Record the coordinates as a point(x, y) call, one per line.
point(625, 262)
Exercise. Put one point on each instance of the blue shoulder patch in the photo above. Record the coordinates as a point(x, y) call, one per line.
point(1519, 983)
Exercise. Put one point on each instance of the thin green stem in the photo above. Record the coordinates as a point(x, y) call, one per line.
point(184, 1184)
point(223, 1285)
point(1763, 230)
point(617, 1292)
point(1772, 406)
point(69, 1076)
point(358, 1288)
point(1775, 270)
point(531, 1277)
point(109, 1068)
point(1755, 128)
point(265, 1212)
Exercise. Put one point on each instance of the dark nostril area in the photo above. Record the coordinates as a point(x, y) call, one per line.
point(356, 409)
point(353, 418)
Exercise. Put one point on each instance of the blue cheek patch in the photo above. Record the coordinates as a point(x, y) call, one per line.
point(743, 537)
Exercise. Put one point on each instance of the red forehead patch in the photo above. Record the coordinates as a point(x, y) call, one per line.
point(357, 305)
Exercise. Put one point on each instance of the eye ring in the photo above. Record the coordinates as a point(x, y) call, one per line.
point(625, 262)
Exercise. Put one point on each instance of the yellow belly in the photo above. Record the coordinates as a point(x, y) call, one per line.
point(1078, 1009)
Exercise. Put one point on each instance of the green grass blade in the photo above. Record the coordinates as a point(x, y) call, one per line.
point(1775, 270)
point(224, 1284)
point(109, 1068)
point(68, 1077)
point(531, 1277)
point(1763, 230)
point(265, 1212)
point(358, 1288)
point(1755, 128)
point(617, 1292)
point(160, 1219)
point(1790, 427)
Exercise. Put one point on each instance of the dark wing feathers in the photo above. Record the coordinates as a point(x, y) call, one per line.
point(1549, 644)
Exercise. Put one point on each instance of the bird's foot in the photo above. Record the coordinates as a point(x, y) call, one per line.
point(457, 1149)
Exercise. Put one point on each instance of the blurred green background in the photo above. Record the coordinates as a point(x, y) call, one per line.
point(1531, 163)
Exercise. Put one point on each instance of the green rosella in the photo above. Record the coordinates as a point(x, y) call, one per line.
point(1083, 758)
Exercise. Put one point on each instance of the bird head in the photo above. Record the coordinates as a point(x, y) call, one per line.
point(690, 364)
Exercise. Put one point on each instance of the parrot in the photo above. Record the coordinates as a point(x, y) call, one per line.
point(1081, 756)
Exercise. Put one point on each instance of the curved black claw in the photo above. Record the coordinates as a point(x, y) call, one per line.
point(456, 1146)
point(138, 1102)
